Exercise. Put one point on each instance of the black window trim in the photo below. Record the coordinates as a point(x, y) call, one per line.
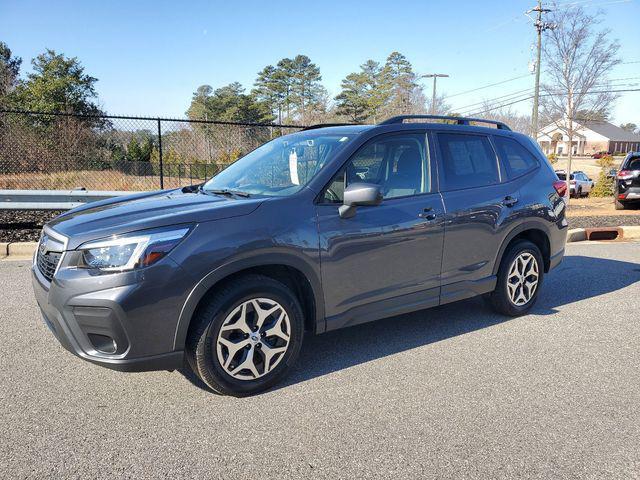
point(442, 184)
point(433, 167)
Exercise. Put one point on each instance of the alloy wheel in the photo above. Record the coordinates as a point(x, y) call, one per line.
point(253, 339)
point(522, 280)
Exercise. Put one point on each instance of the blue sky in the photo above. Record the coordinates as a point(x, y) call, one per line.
point(149, 56)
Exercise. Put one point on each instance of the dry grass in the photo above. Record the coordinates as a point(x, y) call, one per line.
point(89, 179)
point(593, 206)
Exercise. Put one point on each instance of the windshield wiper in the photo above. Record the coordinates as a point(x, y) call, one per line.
point(230, 193)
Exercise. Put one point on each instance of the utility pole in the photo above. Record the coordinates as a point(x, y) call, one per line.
point(540, 27)
point(433, 96)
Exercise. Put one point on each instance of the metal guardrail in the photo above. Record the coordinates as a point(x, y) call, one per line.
point(53, 199)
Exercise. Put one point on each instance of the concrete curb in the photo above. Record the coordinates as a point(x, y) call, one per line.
point(576, 235)
point(624, 233)
point(631, 233)
point(17, 250)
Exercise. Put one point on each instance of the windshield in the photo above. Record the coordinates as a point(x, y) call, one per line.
point(563, 176)
point(280, 167)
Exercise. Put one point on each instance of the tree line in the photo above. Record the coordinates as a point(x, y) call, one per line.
point(291, 91)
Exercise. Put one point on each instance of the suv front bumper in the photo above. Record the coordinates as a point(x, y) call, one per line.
point(125, 321)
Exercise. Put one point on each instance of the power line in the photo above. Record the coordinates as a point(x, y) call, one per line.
point(514, 95)
point(625, 90)
point(588, 3)
point(486, 86)
point(492, 100)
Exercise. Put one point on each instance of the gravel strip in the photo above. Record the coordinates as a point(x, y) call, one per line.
point(25, 226)
point(608, 221)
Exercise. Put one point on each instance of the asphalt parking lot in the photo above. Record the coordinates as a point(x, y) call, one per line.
point(451, 392)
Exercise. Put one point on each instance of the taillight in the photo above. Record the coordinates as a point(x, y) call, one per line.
point(625, 174)
point(560, 187)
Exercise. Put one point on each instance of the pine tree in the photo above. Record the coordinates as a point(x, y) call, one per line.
point(9, 71)
point(353, 101)
point(306, 88)
point(398, 76)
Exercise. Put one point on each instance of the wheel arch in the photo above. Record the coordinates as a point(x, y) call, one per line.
point(535, 232)
point(294, 272)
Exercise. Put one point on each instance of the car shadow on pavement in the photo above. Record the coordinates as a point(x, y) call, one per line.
point(577, 278)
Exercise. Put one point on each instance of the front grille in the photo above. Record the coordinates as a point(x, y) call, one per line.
point(47, 260)
point(47, 263)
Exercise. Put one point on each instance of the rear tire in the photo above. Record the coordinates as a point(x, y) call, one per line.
point(519, 279)
point(232, 350)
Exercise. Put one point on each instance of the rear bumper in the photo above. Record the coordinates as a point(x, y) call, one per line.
point(631, 194)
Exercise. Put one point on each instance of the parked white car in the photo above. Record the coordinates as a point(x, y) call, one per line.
point(580, 184)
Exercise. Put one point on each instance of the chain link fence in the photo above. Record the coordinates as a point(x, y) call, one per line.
point(67, 151)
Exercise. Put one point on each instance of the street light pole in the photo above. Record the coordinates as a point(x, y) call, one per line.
point(433, 95)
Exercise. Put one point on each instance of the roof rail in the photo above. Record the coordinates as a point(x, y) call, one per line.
point(458, 120)
point(322, 125)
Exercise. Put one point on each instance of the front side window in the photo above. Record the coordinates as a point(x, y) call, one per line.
point(517, 159)
point(468, 161)
point(398, 163)
point(282, 166)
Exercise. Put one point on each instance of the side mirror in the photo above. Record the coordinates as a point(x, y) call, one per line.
point(359, 194)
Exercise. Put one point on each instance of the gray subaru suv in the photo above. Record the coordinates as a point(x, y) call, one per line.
point(322, 229)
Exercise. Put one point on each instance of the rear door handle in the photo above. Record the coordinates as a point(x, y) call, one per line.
point(428, 214)
point(509, 201)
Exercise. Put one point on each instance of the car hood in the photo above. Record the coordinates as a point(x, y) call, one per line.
point(146, 210)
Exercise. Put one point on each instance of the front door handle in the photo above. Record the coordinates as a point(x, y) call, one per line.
point(428, 214)
point(509, 201)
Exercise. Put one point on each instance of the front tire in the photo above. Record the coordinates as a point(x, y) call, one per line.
point(246, 336)
point(519, 279)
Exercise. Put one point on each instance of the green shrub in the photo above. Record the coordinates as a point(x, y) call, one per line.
point(604, 185)
point(606, 161)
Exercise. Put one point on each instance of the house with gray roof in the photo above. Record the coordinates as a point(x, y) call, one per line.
point(590, 137)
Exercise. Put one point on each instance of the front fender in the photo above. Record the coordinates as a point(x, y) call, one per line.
point(273, 257)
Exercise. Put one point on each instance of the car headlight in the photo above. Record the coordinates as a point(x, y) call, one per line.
point(131, 251)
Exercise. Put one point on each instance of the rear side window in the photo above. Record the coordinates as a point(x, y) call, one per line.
point(468, 161)
point(633, 164)
point(517, 159)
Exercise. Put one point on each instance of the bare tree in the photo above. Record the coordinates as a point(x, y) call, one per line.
point(506, 114)
point(442, 107)
point(578, 60)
